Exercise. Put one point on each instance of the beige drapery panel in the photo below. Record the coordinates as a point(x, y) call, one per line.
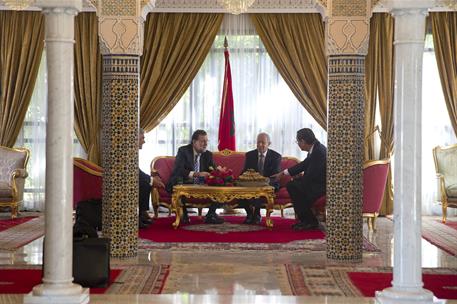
point(175, 46)
point(21, 48)
point(87, 84)
point(444, 28)
point(295, 43)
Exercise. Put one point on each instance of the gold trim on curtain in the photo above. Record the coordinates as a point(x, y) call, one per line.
point(21, 48)
point(295, 43)
point(444, 27)
point(385, 64)
point(175, 46)
point(87, 85)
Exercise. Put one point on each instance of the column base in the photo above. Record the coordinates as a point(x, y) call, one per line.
point(394, 295)
point(42, 295)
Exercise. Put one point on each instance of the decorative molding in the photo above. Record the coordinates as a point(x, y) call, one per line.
point(259, 6)
point(121, 35)
point(120, 26)
point(347, 36)
point(354, 8)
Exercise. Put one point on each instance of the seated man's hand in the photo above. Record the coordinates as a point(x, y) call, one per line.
point(277, 175)
point(157, 182)
point(205, 174)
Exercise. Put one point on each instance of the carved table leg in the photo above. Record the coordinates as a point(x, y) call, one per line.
point(270, 203)
point(176, 203)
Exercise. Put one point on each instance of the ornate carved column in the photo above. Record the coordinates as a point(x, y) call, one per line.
point(347, 31)
point(121, 44)
point(57, 286)
point(409, 48)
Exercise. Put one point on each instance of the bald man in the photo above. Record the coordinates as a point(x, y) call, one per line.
point(267, 162)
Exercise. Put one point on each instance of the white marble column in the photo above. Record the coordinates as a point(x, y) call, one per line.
point(57, 285)
point(409, 47)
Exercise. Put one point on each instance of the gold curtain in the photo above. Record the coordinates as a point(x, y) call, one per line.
point(87, 84)
point(444, 28)
point(21, 48)
point(175, 46)
point(295, 43)
point(385, 70)
point(371, 86)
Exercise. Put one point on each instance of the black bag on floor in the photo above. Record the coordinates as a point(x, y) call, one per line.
point(91, 212)
point(91, 261)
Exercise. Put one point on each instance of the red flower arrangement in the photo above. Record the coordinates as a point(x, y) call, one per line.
point(220, 176)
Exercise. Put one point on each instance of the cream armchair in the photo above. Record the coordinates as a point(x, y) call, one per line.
point(446, 170)
point(13, 163)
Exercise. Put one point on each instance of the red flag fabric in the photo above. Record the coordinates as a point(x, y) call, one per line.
point(227, 117)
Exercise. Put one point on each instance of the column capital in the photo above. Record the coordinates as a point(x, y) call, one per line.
point(60, 6)
point(408, 6)
point(348, 27)
point(121, 26)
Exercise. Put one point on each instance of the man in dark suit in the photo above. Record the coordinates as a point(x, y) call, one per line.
point(192, 162)
point(145, 184)
point(304, 190)
point(267, 162)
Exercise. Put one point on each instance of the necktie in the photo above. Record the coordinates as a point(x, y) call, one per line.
point(260, 164)
point(196, 167)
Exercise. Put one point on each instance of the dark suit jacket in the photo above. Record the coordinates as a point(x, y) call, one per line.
point(271, 165)
point(144, 190)
point(184, 163)
point(314, 168)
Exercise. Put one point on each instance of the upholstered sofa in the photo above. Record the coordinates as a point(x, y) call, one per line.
point(13, 163)
point(230, 159)
point(446, 170)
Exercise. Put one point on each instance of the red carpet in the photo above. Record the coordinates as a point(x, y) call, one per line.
point(8, 223)
point(232, 231)
point(443, 286)
point(21, 281)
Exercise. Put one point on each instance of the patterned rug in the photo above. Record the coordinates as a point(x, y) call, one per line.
point(7, 223)
point(21, 234)
point(233, 235)
point(441, 235)
point(362, 281)
point(140, 279)
point(302, 246)
point(131, 280)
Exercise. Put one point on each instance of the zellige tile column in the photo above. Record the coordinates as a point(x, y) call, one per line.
point(347, 30)
point(121, 44)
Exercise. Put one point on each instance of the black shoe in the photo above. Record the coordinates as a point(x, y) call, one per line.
point(298, 226)
point(311, 226)
point(256, 220)
point(249, 219)
point(146, 221)
point(213, 219)
point(142, 225)
point(185, 219)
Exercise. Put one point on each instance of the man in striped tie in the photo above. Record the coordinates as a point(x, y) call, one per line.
point(192, 162)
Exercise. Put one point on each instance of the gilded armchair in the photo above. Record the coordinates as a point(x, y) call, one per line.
point(446, 170)
point(13, 163)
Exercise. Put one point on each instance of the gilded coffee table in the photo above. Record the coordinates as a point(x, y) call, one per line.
point(220, 194)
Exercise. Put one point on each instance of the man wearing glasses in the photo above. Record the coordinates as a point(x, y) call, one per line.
point(193, 162)
point(305, 189)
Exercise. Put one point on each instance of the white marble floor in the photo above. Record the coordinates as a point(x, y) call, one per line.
point(237, 277)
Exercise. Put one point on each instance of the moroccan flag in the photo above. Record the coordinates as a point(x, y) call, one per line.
point(227, 117)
